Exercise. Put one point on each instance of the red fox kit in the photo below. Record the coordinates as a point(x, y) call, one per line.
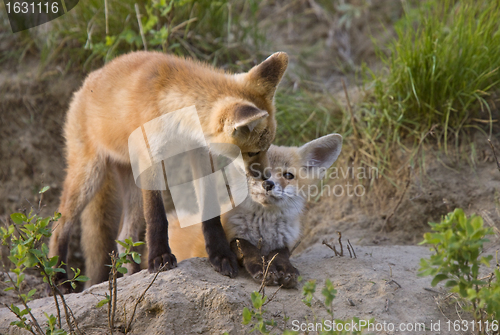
point(267, 222)
point(134, 89)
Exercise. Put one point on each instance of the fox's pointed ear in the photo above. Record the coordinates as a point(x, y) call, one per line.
point(267, 75)
point(247, 117)
point(321, 152)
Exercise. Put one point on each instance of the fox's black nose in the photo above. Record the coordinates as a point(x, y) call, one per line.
point(268, 185)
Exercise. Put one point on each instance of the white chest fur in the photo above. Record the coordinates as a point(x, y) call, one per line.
point(271, 227)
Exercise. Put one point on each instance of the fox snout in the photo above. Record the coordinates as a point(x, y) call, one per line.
point(268, 185)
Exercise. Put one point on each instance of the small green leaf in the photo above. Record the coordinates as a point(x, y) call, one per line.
point(123, 244)
point(44, 189)
point(122, 270)
point(247, 316)
point(18, 218)
point(438, 278)
point(8, 288)
point(82, 278)
point(136, 257)
point(31, 292)
point(102, 303)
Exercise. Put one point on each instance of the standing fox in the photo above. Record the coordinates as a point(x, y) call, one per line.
point(267, 223)
point(134, 89)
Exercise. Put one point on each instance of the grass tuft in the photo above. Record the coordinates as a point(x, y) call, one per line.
point(443, 66)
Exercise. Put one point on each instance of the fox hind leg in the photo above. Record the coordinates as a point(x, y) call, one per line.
point(100, 221)
point(84, 179)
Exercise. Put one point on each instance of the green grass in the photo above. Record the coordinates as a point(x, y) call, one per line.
point(442, 68)
point(303, 116)
point(220, 32)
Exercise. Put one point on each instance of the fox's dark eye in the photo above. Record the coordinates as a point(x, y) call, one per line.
point(288, 175)
point(252, 154)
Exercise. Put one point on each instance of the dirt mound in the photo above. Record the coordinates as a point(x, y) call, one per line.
point(381, 283)
point(440, 186)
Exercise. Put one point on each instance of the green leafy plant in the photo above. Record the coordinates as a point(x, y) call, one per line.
point(458, 243)
point(28, 251)
point(117, 266)
point(329, 293)
point(256, 318)
point(256, 314)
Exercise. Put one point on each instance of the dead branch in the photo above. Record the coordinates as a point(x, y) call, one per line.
point(263, 284)
point(352, 248)
point(272, 297)
point(349, 249)
point(393, 281)
point(331, 247)
point(494, 154)
point(340, 242)
point(353, 124)
point(387, 227)
point(162, 268)
point(295, 246)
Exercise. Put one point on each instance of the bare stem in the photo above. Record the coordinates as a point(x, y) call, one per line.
point(353, 124)
point(387, 226)
point(494, 154)
point(263, 284)
point(140, 26)
point(142, 297)
point(18, 290)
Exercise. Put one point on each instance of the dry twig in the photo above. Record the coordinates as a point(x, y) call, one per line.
point(494, 154)
point(352, 248)
point(263, 284)
point(142, 297)
point(353, 124)
point(387, 226)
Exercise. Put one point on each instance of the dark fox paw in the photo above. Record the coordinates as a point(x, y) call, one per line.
point(287, 274)
point(256, 270)
point(165, 261)
point(223, 261)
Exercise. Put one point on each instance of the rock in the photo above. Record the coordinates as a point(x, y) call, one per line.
point(194, 299)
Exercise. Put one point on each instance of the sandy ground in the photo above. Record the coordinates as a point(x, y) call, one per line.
point(381, 283)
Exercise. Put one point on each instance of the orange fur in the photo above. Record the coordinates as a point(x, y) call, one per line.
point(136, 88)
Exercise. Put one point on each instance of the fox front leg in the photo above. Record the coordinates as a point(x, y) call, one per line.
point(219, 253)
point(160, 254)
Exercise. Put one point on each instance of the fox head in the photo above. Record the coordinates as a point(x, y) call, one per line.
point(292, 171)
point(245, 112)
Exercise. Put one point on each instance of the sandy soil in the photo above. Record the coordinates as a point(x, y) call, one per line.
point(381, 283)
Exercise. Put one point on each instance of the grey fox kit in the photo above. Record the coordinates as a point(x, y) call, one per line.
point(267, 223)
